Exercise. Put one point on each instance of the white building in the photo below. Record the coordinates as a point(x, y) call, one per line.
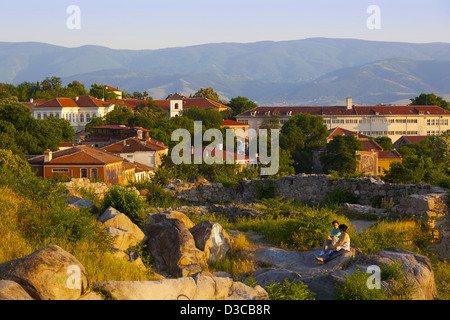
point(78, 111)
point(375, 121)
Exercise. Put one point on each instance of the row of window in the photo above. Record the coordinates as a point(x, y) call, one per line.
point(437, 122)
point(356, 121)
point(83, 172)
point(390, 133)
point(68, 116)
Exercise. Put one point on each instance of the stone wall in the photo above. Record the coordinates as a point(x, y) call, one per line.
point(302, 187)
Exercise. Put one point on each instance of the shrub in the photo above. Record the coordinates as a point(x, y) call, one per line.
point(289, 291)
point(355, 288)
point(403, 289)
point(339, 196)
point(126, 201)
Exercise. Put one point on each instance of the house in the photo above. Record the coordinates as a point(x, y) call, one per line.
point(79, 162)
point(222, 156)
point(174, 104)
point(78, 111)
point(148, 152)
point(403, 140)
point(119, 93)
point(373, 160)
point(101, 136)
point(375, 121)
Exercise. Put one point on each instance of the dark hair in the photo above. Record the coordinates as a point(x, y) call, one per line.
point(343, 227)
point(335, 221)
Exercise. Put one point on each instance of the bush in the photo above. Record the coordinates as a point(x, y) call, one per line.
point(289, 291)
point(355, 288)
point(126, 201)
point(339, 196)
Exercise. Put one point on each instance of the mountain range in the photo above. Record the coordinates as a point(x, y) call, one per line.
point(315, 71)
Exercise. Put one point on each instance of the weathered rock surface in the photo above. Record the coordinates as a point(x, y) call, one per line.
point(49, 273)
point(212, 239)
point(416, 267)
point(322, 278)
point(173, 247)
point(118, 224)
point(199, 287)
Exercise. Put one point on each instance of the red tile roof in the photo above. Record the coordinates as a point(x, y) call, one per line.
point(201, 103)
point(344, 132)
point(134, 144)
point(343, 111)
point(391, 154)
point(231, 123)
point(79, 155)
point(81, 101)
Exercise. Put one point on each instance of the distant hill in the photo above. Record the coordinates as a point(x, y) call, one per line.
point(309, 71)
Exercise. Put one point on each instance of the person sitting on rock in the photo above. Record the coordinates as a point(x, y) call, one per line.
point(342, 246)
point(331, 239)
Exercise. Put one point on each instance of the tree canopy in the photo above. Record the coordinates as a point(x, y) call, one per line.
point(430, 99)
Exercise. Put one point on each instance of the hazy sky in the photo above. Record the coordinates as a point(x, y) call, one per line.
point(150, 24)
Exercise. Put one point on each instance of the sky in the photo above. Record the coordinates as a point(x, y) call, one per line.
point(155, 24)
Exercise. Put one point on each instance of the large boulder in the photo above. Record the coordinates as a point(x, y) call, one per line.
point(49, 273)
point(198, 287)
point(118, 224)
point(416, 267)
point(173, 247)
point(212, 239)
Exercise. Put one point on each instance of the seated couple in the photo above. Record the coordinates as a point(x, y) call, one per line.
point(338, 241)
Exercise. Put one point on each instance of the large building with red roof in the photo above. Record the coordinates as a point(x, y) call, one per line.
point(78, 111)
point(375, 121)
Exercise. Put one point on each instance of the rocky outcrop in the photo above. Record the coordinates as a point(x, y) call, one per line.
point(49, 273)
point(180, 248)
point(173, 247)
point(323, 278)
point(198, 287)
point(124, 231)
point(52, 273)
point(416, 267)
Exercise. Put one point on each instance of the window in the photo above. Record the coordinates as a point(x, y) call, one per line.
point(176, 106)
point(60, 170)
point(94, 173)
point(81, 117)
point(84, 173)
point(39, 115)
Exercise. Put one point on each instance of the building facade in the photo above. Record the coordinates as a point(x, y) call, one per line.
point(79, 162)
point(375, 121)
point(78, 111)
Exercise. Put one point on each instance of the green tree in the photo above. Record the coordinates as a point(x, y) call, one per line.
point(207, 93)
point(340, 155)
point(209, 117)
point(240, 104)
point(100, 92)
point(300, 135)
point(384, 142)
point(430, 99)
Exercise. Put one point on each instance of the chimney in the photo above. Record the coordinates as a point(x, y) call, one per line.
point(31, 100)
point(349, 103)
point(48, 156)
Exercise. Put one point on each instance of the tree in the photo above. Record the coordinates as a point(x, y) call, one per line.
point(209, 117)
point(340, 155)
point(300, 135)
point(207, 93)
point(430, 99)
point(384, 142)
point(75, 88)
point(101, 92)
point(240, 104)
